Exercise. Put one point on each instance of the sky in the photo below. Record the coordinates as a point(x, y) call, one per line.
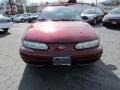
point(36, 1)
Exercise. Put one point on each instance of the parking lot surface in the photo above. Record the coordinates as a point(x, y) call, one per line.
point(102, 75)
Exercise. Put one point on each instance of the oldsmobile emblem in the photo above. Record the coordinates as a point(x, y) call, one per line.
point(61, 47)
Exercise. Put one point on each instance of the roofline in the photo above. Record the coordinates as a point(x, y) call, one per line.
point(61, 4)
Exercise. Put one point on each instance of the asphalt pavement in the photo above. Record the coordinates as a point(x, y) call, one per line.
point(102, 75)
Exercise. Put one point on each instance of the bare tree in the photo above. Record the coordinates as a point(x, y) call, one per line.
point(10, 3)
point(111, 2)
point(23, 3)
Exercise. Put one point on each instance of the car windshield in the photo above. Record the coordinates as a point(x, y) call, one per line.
point(115, 11)
point(36, 14)
point(59, 14)
point(17, 15)
point(89, 12)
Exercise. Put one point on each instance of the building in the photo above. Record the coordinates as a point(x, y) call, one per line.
point(78, 6)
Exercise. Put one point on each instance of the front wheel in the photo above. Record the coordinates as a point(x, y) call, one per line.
point(5, 30)
point(22, 20)
point(95, 22)
point(33, 20)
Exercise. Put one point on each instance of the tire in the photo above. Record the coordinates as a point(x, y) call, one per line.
point(33, 20)
point(5, 30)
point(22, 20)
point(30, 21)
point(14, 21)
point(95, 22)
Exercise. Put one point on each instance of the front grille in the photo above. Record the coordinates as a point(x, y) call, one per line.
point(117, 20)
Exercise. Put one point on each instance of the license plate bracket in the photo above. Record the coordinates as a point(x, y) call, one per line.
point(62, 61)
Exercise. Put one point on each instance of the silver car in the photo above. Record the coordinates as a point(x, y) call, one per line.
point(5, 23)
point(22, 18)
point(92, 16)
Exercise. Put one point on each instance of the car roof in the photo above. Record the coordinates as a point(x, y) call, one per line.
point(93, 9)
point(116, 8)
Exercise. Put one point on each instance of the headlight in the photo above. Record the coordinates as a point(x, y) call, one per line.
point(105, 19)
point(35, 45)
point(88, 44)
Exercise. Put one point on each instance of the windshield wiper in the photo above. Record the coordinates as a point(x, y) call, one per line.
point(65, 20)
point(58, 20)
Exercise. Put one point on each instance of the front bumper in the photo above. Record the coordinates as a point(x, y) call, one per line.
point(111, 23)
point(5, 25)
point(45, 58)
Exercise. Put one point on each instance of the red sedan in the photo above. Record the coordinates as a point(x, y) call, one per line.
point(60, 37)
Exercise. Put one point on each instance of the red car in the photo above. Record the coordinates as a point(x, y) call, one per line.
point(60, 37)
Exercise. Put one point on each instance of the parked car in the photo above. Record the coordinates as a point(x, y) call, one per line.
point(5, 23)
point(21, 18)
point(60, 37)
point(92, 16)
point(14, 16)
point(112, 18)
point(32, 17)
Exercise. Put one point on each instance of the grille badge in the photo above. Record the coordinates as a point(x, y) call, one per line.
point(61, 47)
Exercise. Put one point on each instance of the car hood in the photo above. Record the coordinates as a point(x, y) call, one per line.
point(60, 32)
point(112, 16)
point(88, 15)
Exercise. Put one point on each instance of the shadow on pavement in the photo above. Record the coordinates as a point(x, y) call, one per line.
point(2, 34)
point(98, 25)
point(96, 76)
point(117, 28)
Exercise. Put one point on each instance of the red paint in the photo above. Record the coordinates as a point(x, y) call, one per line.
point(60, 32)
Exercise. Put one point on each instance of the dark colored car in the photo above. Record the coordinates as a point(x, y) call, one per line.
point(112, 18)
point(92, 16)
point(60, 37)
point(33, 17)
